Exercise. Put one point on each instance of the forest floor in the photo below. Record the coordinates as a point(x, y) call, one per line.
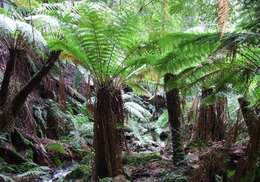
point(152, 167)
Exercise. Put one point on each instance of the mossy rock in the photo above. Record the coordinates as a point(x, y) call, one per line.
point(141, 158)
point(81, 172)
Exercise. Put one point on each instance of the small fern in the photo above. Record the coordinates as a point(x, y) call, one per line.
point(137, 110)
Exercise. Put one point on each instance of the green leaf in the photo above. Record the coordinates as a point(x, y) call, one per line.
point(56, 147)
point(231, 173)
point(162, 121)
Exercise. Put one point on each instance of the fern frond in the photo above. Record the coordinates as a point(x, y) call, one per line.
point(6, 178)
point(137, 110)
point(10, 27)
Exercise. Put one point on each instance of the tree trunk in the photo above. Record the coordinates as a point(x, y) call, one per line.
point(62, 92)
point(107, 163)
point(174, 113)
point(8, 113)
point(247, 168)
point(118, 112)
point(21, 96)
point(206, 117)
point(221, 116)
point(210, 124)
point(7, 76)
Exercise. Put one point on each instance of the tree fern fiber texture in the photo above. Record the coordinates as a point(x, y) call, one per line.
point(105, 136)
point(174, 113)
point(222, 15)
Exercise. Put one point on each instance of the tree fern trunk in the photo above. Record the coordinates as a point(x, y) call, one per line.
point(7, 76)
point(8, 114)
point(107, 163)
point(210, 124)
point(62, 92)
point(174, 113)
point(21, 96)
point(206, 116)
point(118, 112)
point(247, 168)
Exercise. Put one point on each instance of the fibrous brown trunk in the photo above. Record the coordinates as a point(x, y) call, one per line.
point(21, 96)
point(174, 113)
point(210, 125)
point(107, 163)
point(118, 112)
point(7, 76)
point(247, 168)
point(221, 117)
point(62, 92)
point(9, 112)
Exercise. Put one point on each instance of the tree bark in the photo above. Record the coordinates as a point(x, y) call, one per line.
point(21, 96)
point(118, 112)
point(7, 76)
point(174, 113)
point(210, 124)
point(62, 91)
point(107, 163)
point(221, 116)
point(247, 168)
point(9, 112)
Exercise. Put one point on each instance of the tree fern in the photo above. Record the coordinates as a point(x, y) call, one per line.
point(10, 28)
point(101, 40)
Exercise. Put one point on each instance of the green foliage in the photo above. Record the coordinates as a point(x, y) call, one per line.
point(162, 121)
point(100, 40)
point(198, 144)
point(231, 173)
point(176, 177)
point(80, 172)
point(141, 158)
point(80, 119)
point(137, 110)
point(6, 178)
point(26, 170)
point(34, 172)
point(107, 179)
point(27, 3)
point(12, 31)
point(56, 147)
